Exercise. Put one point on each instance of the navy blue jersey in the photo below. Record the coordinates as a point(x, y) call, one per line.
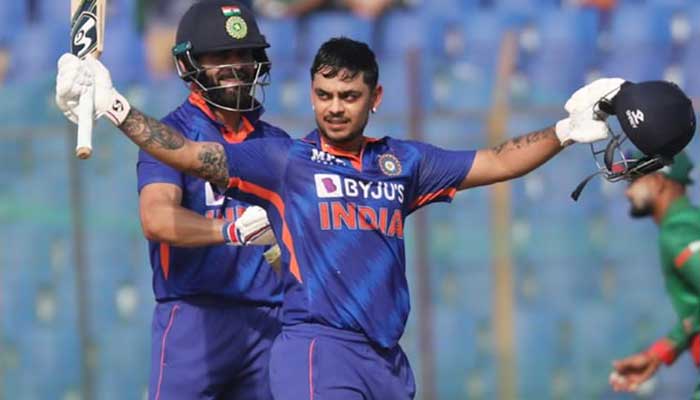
point(239, 273)
point(340, 221)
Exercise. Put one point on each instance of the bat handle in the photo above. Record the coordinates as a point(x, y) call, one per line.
point(86, 109)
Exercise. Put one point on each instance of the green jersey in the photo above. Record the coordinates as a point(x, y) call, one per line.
point(679, 244)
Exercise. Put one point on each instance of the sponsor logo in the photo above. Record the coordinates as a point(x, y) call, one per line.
point(335, 186)
point(328, 186)
point(84, 35)
point(324, 158)
point(635, 117)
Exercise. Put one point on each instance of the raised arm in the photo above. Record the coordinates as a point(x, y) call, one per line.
point(516, 157)
point(206, 160)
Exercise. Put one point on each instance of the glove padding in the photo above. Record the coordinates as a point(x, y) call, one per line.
point(586, 122)
point(252, 228)
point(74, 78)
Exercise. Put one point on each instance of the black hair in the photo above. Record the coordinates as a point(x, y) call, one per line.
point(344, 54)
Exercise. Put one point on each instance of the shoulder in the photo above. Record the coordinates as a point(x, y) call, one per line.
point(678, 233)
point(184, 118)
point(271, 131)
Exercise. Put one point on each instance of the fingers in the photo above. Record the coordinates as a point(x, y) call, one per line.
point(67, 59)
point(618, 382)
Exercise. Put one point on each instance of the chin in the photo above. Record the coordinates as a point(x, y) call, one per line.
point(337, 136)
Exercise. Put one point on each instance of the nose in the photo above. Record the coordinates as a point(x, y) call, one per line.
point(337, 107)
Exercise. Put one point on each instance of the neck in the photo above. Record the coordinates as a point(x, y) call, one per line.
point(231, 119)
point(664, 203)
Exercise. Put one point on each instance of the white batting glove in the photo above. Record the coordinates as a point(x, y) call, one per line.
point(75, 76)
point(586, 123)
point(252, 228)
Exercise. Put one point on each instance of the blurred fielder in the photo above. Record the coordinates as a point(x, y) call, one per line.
point(662, 196)
point(218, 306)
point(337, 201)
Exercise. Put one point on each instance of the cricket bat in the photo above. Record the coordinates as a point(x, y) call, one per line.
point(87, 40)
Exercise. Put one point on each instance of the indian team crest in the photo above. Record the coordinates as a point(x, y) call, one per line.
point(236, 27)
point(389, 164)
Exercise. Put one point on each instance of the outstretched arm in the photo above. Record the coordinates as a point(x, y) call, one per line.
point(585, 124)
point(513, 158)
point(206, 160)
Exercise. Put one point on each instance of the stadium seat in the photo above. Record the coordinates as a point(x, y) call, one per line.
point(321, 26)
point(124, 54)
point(566, 51)
point(123, 374)
point(281, 34)
point(640, 43)
point(401, 31)
point(691, 56)
point(394, 76)
point(13, 17)
point(35, 51)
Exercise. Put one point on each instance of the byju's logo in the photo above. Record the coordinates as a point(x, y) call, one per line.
point(328, 186)
point(635, 117)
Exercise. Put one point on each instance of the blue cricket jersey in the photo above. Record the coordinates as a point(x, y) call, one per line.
point(238, 273)
point(339, 219)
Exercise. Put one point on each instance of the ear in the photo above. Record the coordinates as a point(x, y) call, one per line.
point(377, 95)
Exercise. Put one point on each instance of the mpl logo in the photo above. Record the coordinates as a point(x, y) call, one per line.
point(635, 117)
point(328, 186)
point(324, 158)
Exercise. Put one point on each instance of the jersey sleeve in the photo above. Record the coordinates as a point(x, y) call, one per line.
point(256, 168)
point(150, 170)
point(439, 174)
point(686, 272)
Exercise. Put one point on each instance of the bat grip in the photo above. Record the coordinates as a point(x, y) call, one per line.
point(86, 109)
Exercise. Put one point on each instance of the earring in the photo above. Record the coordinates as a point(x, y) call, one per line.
point(374, 110)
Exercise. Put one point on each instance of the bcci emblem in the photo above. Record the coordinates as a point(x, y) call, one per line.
point(389, 165)
point(236, 27)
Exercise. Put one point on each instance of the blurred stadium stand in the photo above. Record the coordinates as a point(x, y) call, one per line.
point(573, 263)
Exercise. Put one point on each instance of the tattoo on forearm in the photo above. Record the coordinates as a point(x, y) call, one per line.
point(149, 133)
point(213, 166)
point(526, 140)
point(153, 136)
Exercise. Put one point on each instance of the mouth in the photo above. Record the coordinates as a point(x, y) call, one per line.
point(337, 124)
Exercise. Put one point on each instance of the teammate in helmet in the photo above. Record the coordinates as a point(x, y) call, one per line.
point(221, 52)
point(217, 300)
point(661, 195)
point(656, 117)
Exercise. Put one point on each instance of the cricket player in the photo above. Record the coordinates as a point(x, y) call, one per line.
point(662, 196)
point(337, 201)
point(218, 302)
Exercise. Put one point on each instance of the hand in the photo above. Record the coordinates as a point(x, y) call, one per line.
point(632, 371)
point(252, 228)
point(586, 122)
point(75, 76)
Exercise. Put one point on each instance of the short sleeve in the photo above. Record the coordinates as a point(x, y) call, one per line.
point(256, 167)
point(150, 170)
point(439, 174)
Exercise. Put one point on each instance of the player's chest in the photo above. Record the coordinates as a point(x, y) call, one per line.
point(381, 179)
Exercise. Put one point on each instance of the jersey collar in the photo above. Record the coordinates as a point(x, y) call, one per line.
point(248, 119)
point(355, 159)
